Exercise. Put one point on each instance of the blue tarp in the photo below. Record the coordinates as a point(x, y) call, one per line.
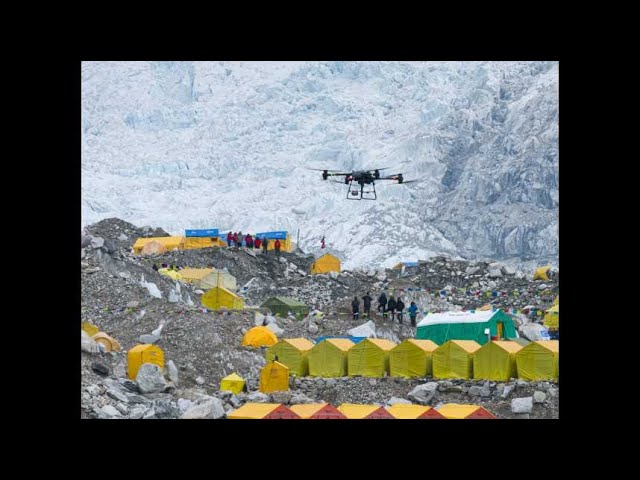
point(272, 235)
point(353, 339)
point(410, 264)
point(210, 232)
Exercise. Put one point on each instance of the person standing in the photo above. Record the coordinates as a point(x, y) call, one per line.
point(413, 313)
point(391, 306)
point(366, 303)
point(355, 308)
point(399, 309)
point(322, 245)
point(265, 244)
point(276, 247)
point(257, 242)
point(229, 238)
point(382, 304)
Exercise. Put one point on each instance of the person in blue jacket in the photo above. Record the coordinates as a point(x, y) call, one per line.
point(413, 313)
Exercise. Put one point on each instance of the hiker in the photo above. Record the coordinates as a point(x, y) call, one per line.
point(276, 246)
point(382, 304)
point(229, 238)
point(366, 302)
point(234, 239)
point(240, 239)
point(413, 313)
point(399, 308)
point(391, 306)
point(249, 240)
point(164, 265)
point(257, 242)
point(155, 267)
point(322, 243)
point(265, 244)
point(355, 308)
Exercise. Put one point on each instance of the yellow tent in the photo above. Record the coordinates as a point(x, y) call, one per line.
point(370, 358)
point(458, 411)
point(355, 411)
point(557, 300)
point(496, 361)
point(170, 273)
point(219, 297)
point(274, 377)
point(259, 337)
point(411, 358)
point(538, 360)
point(193, 275)
point(143, 353)
point(169, 243)
point(407, 411)
point(152, 248)
point(454, 359)
point(232, 383)
point(552, 317)
point(328, 358)
point(486, 307)
point(253, 411)
point(191, 243)
point(541, 273)
point(110, 343)
point(292, 352)
point(326, 263)
point(90, 328)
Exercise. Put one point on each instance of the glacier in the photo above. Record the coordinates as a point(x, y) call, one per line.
point(228, 145)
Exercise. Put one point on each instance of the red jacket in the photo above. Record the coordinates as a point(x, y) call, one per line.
point(277, 245)
point(257, 242)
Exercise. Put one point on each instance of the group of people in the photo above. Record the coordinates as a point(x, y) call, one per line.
point(173, 267)
point(385, 306)
point(237, 239)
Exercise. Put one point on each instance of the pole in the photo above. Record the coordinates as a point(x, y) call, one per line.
point(298, 242)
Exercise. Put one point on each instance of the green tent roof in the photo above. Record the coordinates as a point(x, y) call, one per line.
point(291, 302)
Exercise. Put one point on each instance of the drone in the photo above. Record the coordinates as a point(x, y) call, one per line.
point(362, 178)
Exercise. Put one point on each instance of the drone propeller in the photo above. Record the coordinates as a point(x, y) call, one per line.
point(329, 172)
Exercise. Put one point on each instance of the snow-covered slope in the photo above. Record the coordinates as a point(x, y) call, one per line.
point(226, 144)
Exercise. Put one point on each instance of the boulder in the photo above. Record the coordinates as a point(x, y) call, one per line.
point(209, 407)
point(395, 400)
point(423, 393)
point(258, 397)
point(149, 379)
point(522, 405)
point(539, 397)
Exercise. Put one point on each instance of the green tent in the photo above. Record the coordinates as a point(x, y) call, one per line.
point(284, 305)
point(471, 325)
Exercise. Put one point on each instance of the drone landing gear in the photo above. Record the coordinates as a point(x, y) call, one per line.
point(357, 192)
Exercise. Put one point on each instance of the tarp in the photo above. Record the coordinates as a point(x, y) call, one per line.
point(274, 377)
point(193, 275)
point(282, 305)
point(317, 411)
point(232, 383)
point(219, 297)
point(326, 263)
point(370, 358)
point(459, 411)
point(215, 279)
point(552, 317)
point(402, 265)
point(110, 343)
point(192, 243)
point(538, 360)
point(454, 359)
point(143, 353)
point(541, 273)
point(356, 411)
point(496, 361)
point(292, 352)
point(253, 411)
point(210, 232)
point(259, 337)
point(328, 358)
point(411, 358)
point(467, 325)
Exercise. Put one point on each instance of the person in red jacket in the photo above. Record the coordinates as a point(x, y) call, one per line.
point(235, 238)
point(276, 246)
point(229, 238)
point(257, 242)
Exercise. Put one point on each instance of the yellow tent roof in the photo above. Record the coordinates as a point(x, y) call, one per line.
point(468, 345)
point(509, 346)
point(554, 309)
point(234, 377)
point(557, 300)
point(171, 273)
point(485, 307)
point(552, 345)
point(426, 345)
point(385, 345)
point(195, 273)
point(354, 411)
point(541, 273)
point(259, 336)
point(343, 344)
point(456, 410)
point(253, 410)
point(299, 343)
point(406, 411)
point(306, 411)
